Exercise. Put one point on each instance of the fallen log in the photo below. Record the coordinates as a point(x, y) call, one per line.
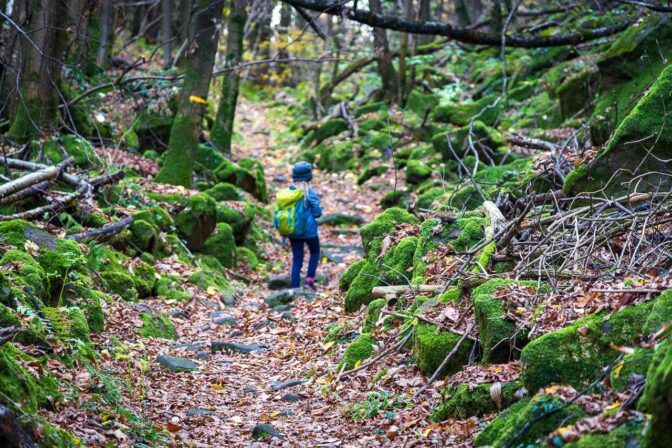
point(106, 179)
point(102, 232)
point(390, 292)
point(33, 190)
point(28, 180)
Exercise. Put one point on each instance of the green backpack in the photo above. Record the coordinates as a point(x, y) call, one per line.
point(290, 213)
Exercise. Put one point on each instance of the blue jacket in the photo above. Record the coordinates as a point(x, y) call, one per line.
point(312, 204)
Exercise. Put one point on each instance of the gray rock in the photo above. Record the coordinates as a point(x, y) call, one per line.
point(178, 314)
point(203, 355)
point(291, 398)
point(279, 385)
point(43, 239)
point(285, 412)
point(286, 296)
point(279, 179)
point(143, 308)
point(283, 308)
point(264, 430)
point(287, 315)
point(262, 324)
point(341, 219)
point(251, 390)
point(236, 333)
point(194, 346)
point(195, 412)
point(176, 364)
point(276, 282)
point(222, 318)
point(231, 299)
point(218, 346)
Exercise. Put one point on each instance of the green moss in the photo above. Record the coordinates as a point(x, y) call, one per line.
point(421, 103)
point(208, 157)
point(660, 313)
point(373, 233)
point(158, 216)
point(153, 129)
point(145, 279)
point(240, 222)
point(255, 167)
point(329, 128)
point(95, 316)
point(247, 256)
point(197, 221)
point(350, 274)
point(657, 398)
point(503, 431)
point(430, 350)
point(69, 323)
point(417, 172)
point(371, 172)
point(369, 107)
point(208, 278)
point(576, 354)
point(398, 261)
point(222, 246)
point(17, 384)
point(576, 92)
point(336, 157)
point(7, 317)
point(170, 288)
point(120, 283)
point(13, 232)
point(232, 173)
point(372, 315)
point(157, 326)
point(359, 291)
point(179, 159)
point(359, 350)
point(396, 198)
point(486, 137)
point(635, 363)
point(628, 434)
point(26, 272)
point(225, 191)
point(465, 400)
point(144, 236)
point(460, 114)
point(427, 198)
point(81, 150)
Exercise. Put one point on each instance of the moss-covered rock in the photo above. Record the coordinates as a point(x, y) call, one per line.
point(576, 354)
point(489, 109)
point(465, 400)
point(153, 130)
point(626, 435)
point(373, 310)
point(222, 246)
point(328, 129)
point(208, 157)
point(225, 191)
point(657, 397)
point(350, 274)
point(489, 143)
point(371, 172)
point(430, 349)
point(144, 278)
point(144, 236)
point(359, 291)
point(158, 216)
point(18, 385)
point(396, 198)
point(359, 350)
point(417, 172)
point(421, 103)
point(80, 149)
point(499, 337)
point(577, 91)
point(157, 326)
point(234, 174)
point(373, 233)
point(504, 430)
point(209, 278)
point(170, 287)
point(69, 323)
point(25, 271)
point(197, 221)
point(257, 169)
point(636, 363)
point(660, 313)
point(120, 283)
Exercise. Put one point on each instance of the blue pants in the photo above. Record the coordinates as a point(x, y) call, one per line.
point(297, 260)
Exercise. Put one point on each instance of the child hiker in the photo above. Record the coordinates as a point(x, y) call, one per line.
point(297, 208)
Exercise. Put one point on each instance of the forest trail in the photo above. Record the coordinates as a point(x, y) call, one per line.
point(220, 404)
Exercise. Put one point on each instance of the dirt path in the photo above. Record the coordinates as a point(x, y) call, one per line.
point(220, 404)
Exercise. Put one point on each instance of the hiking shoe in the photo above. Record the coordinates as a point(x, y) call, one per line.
point(309, 283)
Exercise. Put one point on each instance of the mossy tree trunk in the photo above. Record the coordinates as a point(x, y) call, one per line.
point(39, 65)
point(85, 20)
point(167, 31)
point(223, 125)
point(425, 15)
point(178, 164)
point(388, 74)
point(104, 47)
point(260, 40)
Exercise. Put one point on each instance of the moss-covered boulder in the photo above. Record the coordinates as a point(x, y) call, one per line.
point(359, 290)
point(488, 142)
point(232, 173)
point(657, 397)
point(120, 283)
point(153, 130)
point(358, 351)
point(144, 236)
point(417, 172)
point(144, 278)
point(25, 271)
point(222, 246)
point(373, 233)
point(328, 129)
point(255, 167)
point(157, 326)
point(371, 172)
point(644, 136)
point(631, 367)
point(500, 338)
point(431, 348)
point(576, 354)
point(241, 221)
point(158, 216)
point(69, 323)
point(80, 149)
point(421, 103)
point(350, 274)
point(627, 435)
point(197, 221)
point(208, 158)
point(208, 278)
point(21, 387)
point(577, 91)
point(488, 109)
point(466, 400)
point(373, 311)
point(171, 287)
point(505, 430)
point(225, 191)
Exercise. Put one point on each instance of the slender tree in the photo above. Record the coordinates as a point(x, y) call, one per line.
point(167, 32)
point(388, 74)
point(39, 64)
point(105, 33)
point(178, 164)
point(425, 15)
point(223, 125)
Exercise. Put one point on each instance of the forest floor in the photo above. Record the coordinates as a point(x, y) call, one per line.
point(231, 393)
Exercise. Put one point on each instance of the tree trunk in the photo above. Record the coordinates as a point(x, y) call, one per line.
point(403, 52)
point(425, 15)
point(260, 40)
point(388, 75)
point(223, 126)
point(167, 32)
point(179, 161)
point(105, 33)
point(40, 68)
point(282, 68)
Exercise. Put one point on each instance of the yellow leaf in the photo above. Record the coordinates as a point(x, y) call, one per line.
point(328, 345)
point(217, 387)
point(276, 413)
point(359, 361)
point(613, 405)
point(617, 368)
point(415, 321)
point(565, 429)
point(499, 369)
point(198, 99)
point(212, 291)
point(32, 248)
point(426, 432)
point(520, 310)
point(622, 349)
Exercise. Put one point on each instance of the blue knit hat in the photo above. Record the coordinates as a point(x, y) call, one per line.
point(302, 172)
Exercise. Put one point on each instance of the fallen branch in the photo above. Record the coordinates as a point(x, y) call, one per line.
point(28, 180)
point(101, 232)
point(106, 179)
point(445, 361)
point(390, 292)
point(532, 143)
point(33, 190)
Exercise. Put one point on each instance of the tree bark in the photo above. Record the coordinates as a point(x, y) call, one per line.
point(167, 32)
point(222, 128)
point(388, 74)
point(39, 68)
point(425, 15)
point(105, 33)
point(178, 164)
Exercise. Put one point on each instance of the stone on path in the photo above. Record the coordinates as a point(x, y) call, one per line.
point(194, 412)
point(176, 364)
point(283, 308)
point(341, 219)
point(264, 430)
point(244, 349)
point(276, 282)
point(178, 314)
point(291, 398)
point(285, 296)
point(222, 318)
point(279, 385)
